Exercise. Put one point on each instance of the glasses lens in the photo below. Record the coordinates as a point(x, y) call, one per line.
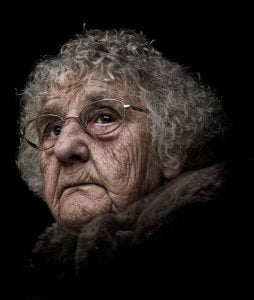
point(102, 117)
point(43, 131)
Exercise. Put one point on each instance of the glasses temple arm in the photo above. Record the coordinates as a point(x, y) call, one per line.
point(136, 108)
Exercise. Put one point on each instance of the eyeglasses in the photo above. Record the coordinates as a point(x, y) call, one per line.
point(97, 119)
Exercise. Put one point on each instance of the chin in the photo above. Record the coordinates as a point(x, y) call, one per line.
point(74, 226)
point(78, 206)
point(73, 216)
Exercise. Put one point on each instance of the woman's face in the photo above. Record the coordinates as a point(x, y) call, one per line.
point(86, 176)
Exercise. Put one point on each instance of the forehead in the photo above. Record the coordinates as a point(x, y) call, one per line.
point(77, 96)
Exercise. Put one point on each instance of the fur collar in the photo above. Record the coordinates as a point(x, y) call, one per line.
point(144, 223)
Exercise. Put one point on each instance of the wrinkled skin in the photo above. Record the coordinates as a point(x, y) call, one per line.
point(85, 176)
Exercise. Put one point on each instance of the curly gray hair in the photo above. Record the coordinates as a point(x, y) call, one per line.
point(185, 115)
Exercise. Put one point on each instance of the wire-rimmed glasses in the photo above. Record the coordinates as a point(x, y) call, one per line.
point(98, 118)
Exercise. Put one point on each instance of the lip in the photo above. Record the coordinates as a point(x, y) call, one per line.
point(69, 186)
point(79, 185)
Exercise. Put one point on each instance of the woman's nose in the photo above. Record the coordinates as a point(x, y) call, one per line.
point(71, 144)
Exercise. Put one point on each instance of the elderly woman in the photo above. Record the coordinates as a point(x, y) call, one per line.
point(124, 147)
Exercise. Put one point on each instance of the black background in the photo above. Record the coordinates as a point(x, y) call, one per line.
point(214, 41)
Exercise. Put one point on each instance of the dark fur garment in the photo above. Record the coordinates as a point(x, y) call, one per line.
point(190, 238)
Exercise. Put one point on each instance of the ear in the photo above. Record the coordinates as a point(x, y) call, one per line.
point(170, 173)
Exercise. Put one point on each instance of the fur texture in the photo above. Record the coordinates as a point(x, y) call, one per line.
point(182, 237)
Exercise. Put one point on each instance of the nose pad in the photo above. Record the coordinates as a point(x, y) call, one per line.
point(72, 142)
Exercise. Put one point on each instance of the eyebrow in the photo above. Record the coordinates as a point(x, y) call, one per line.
point(95, 96)
point(50, 109)
point(91, 97)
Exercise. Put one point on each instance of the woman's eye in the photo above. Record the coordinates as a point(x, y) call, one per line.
point(55, 131)
point(52, 130)
point(105, 119)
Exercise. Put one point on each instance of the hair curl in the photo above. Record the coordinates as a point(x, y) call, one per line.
point(186, 117)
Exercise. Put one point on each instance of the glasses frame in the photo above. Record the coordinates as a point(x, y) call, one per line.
point(125, 106)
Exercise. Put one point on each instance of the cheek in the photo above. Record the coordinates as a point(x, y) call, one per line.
point(121, 161)
point(49, 169)
point(111, 162)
